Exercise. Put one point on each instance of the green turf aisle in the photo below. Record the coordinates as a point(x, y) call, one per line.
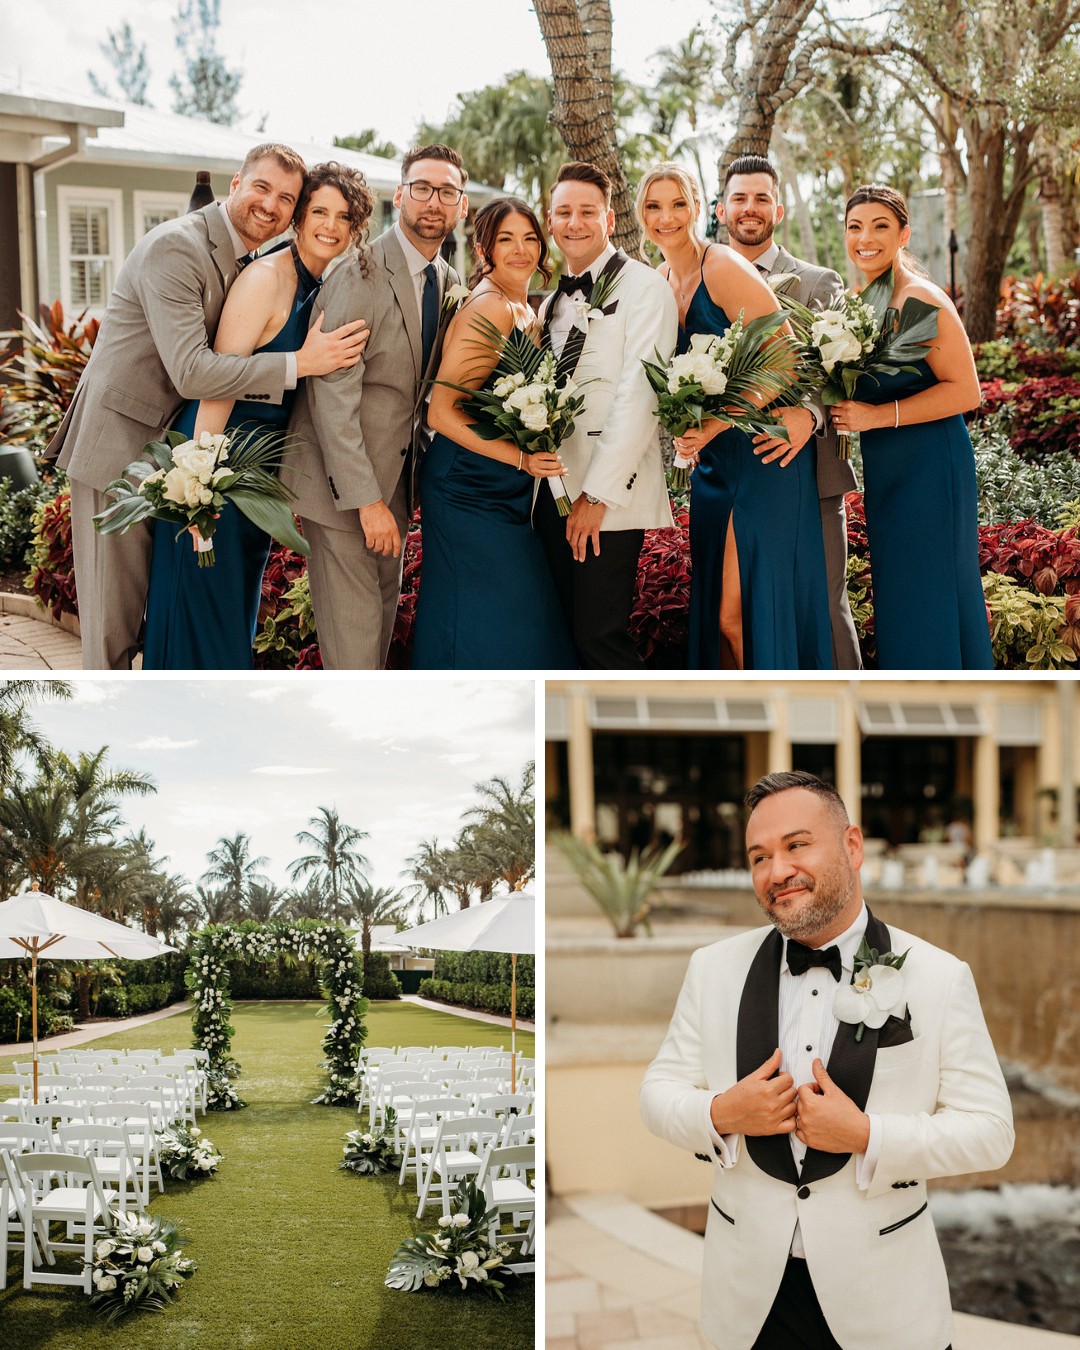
point(292, 1251)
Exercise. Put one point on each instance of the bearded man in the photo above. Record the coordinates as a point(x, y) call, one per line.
point(827, 1069)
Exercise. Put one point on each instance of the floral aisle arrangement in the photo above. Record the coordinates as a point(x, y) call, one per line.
point(207, 978)
point(460, 1250)
point(138, 1266)
point(862, 335)
point(188, 482)
point(370, 1152)
point(726, 376)
point(186, 1152)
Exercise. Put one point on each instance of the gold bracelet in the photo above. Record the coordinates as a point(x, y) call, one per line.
point(896, 418)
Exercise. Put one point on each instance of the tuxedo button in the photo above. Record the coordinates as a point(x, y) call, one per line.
point(814, 992)
point(704, 1157)
point(803, 1192)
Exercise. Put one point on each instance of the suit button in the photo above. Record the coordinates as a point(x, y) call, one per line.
point(803, 1192)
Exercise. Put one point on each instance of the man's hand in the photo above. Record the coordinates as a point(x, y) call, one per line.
point(324, 352)
point(582, 524)
point(381, 533)
point(757, 1104)
point(828, 1119)
point(800, 427)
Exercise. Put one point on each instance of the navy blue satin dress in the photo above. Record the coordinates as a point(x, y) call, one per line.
point(777, 524)
point(922, 524)
point(204, 618)
point(487, 600)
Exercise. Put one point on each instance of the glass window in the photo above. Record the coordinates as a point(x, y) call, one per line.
point(89, 267)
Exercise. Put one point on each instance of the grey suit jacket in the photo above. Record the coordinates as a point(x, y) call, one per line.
point(818, 288)
point(153, 352)
point(351, 431)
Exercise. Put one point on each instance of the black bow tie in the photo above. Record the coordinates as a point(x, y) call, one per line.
point(801, 958)
point(574, 285)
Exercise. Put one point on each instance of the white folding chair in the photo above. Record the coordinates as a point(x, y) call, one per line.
point(12, 1206)
point(455, 1153)
point(79, 1200)
point(510, 1195)
point(198, 1061)
point(384, 1091)
point(422, 1129)
point(519, 1129)
point(26, 1137)
point(145, 1114)
point(504, 1104)
point(114, 1155)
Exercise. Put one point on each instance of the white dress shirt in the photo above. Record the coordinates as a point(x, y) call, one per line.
point(416, 263)
point(242, 251)
point(563, 309)
point(807, 1029)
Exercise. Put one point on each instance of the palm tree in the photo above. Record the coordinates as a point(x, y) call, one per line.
point(17, 733)
point(309, 903)
point(264, 902)
point(430, 875)
point(505, 832)
point(212, 906)
point(39, 836)
point(336, 860)
point(231, 863)
point(371, 907)
point(174, 909)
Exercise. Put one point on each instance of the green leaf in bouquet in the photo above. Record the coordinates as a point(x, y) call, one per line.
point(911, 332)
point(878, 295)
point(273, 516)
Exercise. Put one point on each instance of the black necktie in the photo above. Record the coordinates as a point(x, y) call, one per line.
point(429, 310)
point(241, 263)
point(574, 285)
point(801, 958)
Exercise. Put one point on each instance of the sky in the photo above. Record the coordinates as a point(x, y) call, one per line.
point(329, 69)
point(397, 758)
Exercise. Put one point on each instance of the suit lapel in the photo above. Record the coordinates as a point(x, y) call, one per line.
point(851, 1066)
point(756, 1037)
point(405, 292)
point(222, 248)
point(575, 339)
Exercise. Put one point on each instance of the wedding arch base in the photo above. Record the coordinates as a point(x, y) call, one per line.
point(207, 977)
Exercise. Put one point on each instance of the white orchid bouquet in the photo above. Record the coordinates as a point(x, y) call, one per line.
point(137, 1266)
point(727, 376)
point(460, 1250)
point(369, 1152)
point(186, 1152)
point(524, 400)
point(188, 482)
point(861, 335)
point(876, 991)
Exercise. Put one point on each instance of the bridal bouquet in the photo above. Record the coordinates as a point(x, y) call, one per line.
point(860, 336)
point(719, 377)
point(524, 400)
point(460, 1249)
point(369, 1152)
point(187, 482)
point(186, 1152)
point(137, 1265)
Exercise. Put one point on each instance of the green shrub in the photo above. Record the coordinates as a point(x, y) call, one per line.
point(483, 967)
point(52, 1021)
point(380, 981)
point(131, 1000)
point(1011, 488)
point(492, 998)
point(17, 507)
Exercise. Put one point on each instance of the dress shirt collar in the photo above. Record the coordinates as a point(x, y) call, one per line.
point(414, 259)
point(597, 265)
point(767, 260)
point(241, 249)
point(848, 943)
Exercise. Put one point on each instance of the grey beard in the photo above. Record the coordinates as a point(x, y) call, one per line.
point(828, 898)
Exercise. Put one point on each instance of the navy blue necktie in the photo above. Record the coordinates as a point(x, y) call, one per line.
point(429, 311)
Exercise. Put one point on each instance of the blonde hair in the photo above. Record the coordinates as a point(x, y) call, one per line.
point(659, 173)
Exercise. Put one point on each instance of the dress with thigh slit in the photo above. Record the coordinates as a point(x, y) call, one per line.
point(777, 526)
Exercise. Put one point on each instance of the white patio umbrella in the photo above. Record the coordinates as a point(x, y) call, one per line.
point(35, 924)
point(507, 924)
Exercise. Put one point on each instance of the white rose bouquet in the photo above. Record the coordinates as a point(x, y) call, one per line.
point(188, 482)
point(727, 376)
point(460, 1250)
point(860, 336)
point(137, 1265)
point(186, 1152)
point(523, 400)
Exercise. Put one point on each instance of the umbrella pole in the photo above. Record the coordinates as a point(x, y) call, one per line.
point(513, 1021)
point(33, 1011)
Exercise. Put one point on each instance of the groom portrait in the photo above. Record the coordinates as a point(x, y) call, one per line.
point(827, 1069)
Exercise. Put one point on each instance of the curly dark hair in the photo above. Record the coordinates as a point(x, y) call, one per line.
point(352, 185)
point(486, 230)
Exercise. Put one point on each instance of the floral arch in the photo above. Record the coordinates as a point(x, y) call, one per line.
point(207, 977)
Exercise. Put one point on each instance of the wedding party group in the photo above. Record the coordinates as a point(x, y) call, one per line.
point(230, 390)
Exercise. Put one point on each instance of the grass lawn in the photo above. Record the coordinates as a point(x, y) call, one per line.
point(292, 1251)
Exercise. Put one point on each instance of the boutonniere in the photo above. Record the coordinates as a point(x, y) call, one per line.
point(599, 304)
point(876, 991)
point(452, 297)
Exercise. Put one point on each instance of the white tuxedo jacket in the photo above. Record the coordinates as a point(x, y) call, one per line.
point(614, 452)
point(873, 1255)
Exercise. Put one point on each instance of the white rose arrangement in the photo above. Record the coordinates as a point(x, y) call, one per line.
point(462, 1252)
point(138, 1266)
point(371, 1152)
point(186, 1152)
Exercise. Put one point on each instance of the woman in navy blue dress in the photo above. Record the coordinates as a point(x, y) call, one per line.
point(918, 468)
point(204, 618)
point(487, 600)
point(758, 591)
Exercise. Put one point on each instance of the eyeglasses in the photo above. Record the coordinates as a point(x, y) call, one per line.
point(423, 192)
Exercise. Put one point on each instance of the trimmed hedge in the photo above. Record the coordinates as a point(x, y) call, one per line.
point(492, 998)
point(483, 968)
point(130, 1000)
point(380, 981)
point(15, 1003)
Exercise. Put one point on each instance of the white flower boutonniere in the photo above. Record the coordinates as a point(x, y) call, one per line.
point(876, 991)
point(599, 304)
point(452, 297)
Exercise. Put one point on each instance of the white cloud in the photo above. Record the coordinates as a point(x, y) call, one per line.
point(162, 743)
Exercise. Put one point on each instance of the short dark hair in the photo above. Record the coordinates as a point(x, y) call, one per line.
point(437, 151)
point(750, 164)
point(774, 783)
point(577, 171)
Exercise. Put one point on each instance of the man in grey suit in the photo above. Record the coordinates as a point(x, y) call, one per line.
point(152, 354)
point(356, 434)
point(751, 209)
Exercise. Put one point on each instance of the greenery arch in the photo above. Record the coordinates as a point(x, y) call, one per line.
point(207, 977)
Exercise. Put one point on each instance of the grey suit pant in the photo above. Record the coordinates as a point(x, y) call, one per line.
point(112, 573)
point(845, 642)
point(354, 593)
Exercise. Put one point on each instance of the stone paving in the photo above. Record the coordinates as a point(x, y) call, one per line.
point(31, 641)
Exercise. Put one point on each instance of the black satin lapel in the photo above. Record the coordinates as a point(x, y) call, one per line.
point(756, 1038)
point(575, 341)
point(851, 1066)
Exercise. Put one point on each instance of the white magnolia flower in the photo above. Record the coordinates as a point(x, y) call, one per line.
point(876, 993)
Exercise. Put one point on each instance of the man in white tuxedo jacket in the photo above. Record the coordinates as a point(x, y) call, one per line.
point(614, 470)
point(823, 1137)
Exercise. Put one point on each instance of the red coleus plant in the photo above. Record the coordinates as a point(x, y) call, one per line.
point(1049, 560)
point(660, 618)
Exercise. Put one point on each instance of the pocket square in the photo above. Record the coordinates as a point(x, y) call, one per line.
point(896, 1031)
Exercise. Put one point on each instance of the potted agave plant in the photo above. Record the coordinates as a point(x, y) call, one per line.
point(620, 886)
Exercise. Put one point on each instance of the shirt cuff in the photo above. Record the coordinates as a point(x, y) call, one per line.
point(813, 406)
point(725, 1146)
point(866, 1163)
point(290, 370)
